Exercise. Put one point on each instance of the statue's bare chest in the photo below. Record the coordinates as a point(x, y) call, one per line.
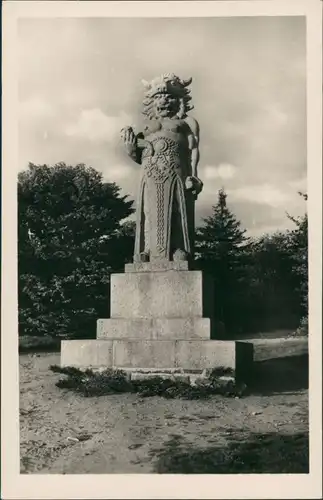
point(176, 129)
point(166, 138)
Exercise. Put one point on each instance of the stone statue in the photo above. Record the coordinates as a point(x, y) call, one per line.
point(168, 151)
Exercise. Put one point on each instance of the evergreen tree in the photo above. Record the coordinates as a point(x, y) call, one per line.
point(299, 244)
point(271, 292)
point(299, 241)
point(261, 284)
point(221, 251)
point(69, 233)
point(277, 287)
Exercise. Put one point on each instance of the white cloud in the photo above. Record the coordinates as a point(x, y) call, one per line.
point(118, 173)
point(222, 171)
point(275, 116)
point(260, 230)
point(299, 184)
point(35, 108)
point(95, 126)
point(264, 194)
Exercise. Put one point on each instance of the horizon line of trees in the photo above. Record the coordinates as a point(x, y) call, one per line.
point(73, 233)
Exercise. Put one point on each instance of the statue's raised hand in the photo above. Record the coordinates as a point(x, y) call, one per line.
point(130, 140)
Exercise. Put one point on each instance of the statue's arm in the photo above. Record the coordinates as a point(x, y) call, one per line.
point(193, 143)
point(193, 182)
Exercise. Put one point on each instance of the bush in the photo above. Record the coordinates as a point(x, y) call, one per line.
point(302, 330)
point(111, 381)
point(70, 239)
point(29, 343)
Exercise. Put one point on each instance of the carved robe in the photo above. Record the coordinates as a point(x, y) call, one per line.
point(165, 211)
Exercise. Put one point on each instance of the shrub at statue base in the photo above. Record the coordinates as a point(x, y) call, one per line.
point(111, 381)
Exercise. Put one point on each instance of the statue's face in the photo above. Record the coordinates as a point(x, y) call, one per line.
point(166, 97)
point(166, 105)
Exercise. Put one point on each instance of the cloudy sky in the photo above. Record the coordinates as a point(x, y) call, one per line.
point(80, 82)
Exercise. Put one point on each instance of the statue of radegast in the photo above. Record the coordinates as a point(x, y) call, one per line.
point(161, 309)
point(168, 152)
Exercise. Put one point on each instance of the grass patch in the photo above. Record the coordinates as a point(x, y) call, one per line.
point(259, 453)
point(111, 381)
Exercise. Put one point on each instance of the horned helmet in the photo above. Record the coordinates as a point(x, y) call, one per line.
point(167, 96)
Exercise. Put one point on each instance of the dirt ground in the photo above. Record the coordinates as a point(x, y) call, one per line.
point(64, 433)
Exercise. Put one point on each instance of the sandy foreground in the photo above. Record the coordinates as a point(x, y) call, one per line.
point(64, 433)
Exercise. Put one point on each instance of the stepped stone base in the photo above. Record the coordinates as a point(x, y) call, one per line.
point(161, 319)
point(154, 328)
point(191, 355)
point(158, 294)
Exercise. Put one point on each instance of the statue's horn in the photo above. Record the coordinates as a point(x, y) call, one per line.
point(187, 82)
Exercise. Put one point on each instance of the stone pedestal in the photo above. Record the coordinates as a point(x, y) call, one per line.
point(161, 321)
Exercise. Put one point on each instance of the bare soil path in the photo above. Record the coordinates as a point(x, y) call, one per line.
point(63, 433)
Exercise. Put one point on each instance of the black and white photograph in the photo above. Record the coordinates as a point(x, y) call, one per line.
point(164, 191)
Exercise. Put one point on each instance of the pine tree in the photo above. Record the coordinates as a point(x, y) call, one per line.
point(299, 245)
point(69, 235)
point(277, 287)
point(221, 248)
point(272, 297)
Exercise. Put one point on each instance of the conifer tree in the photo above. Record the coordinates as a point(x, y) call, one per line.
point(299, 245)
point(221, 250)
point(300, 254)
point(273, 300)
